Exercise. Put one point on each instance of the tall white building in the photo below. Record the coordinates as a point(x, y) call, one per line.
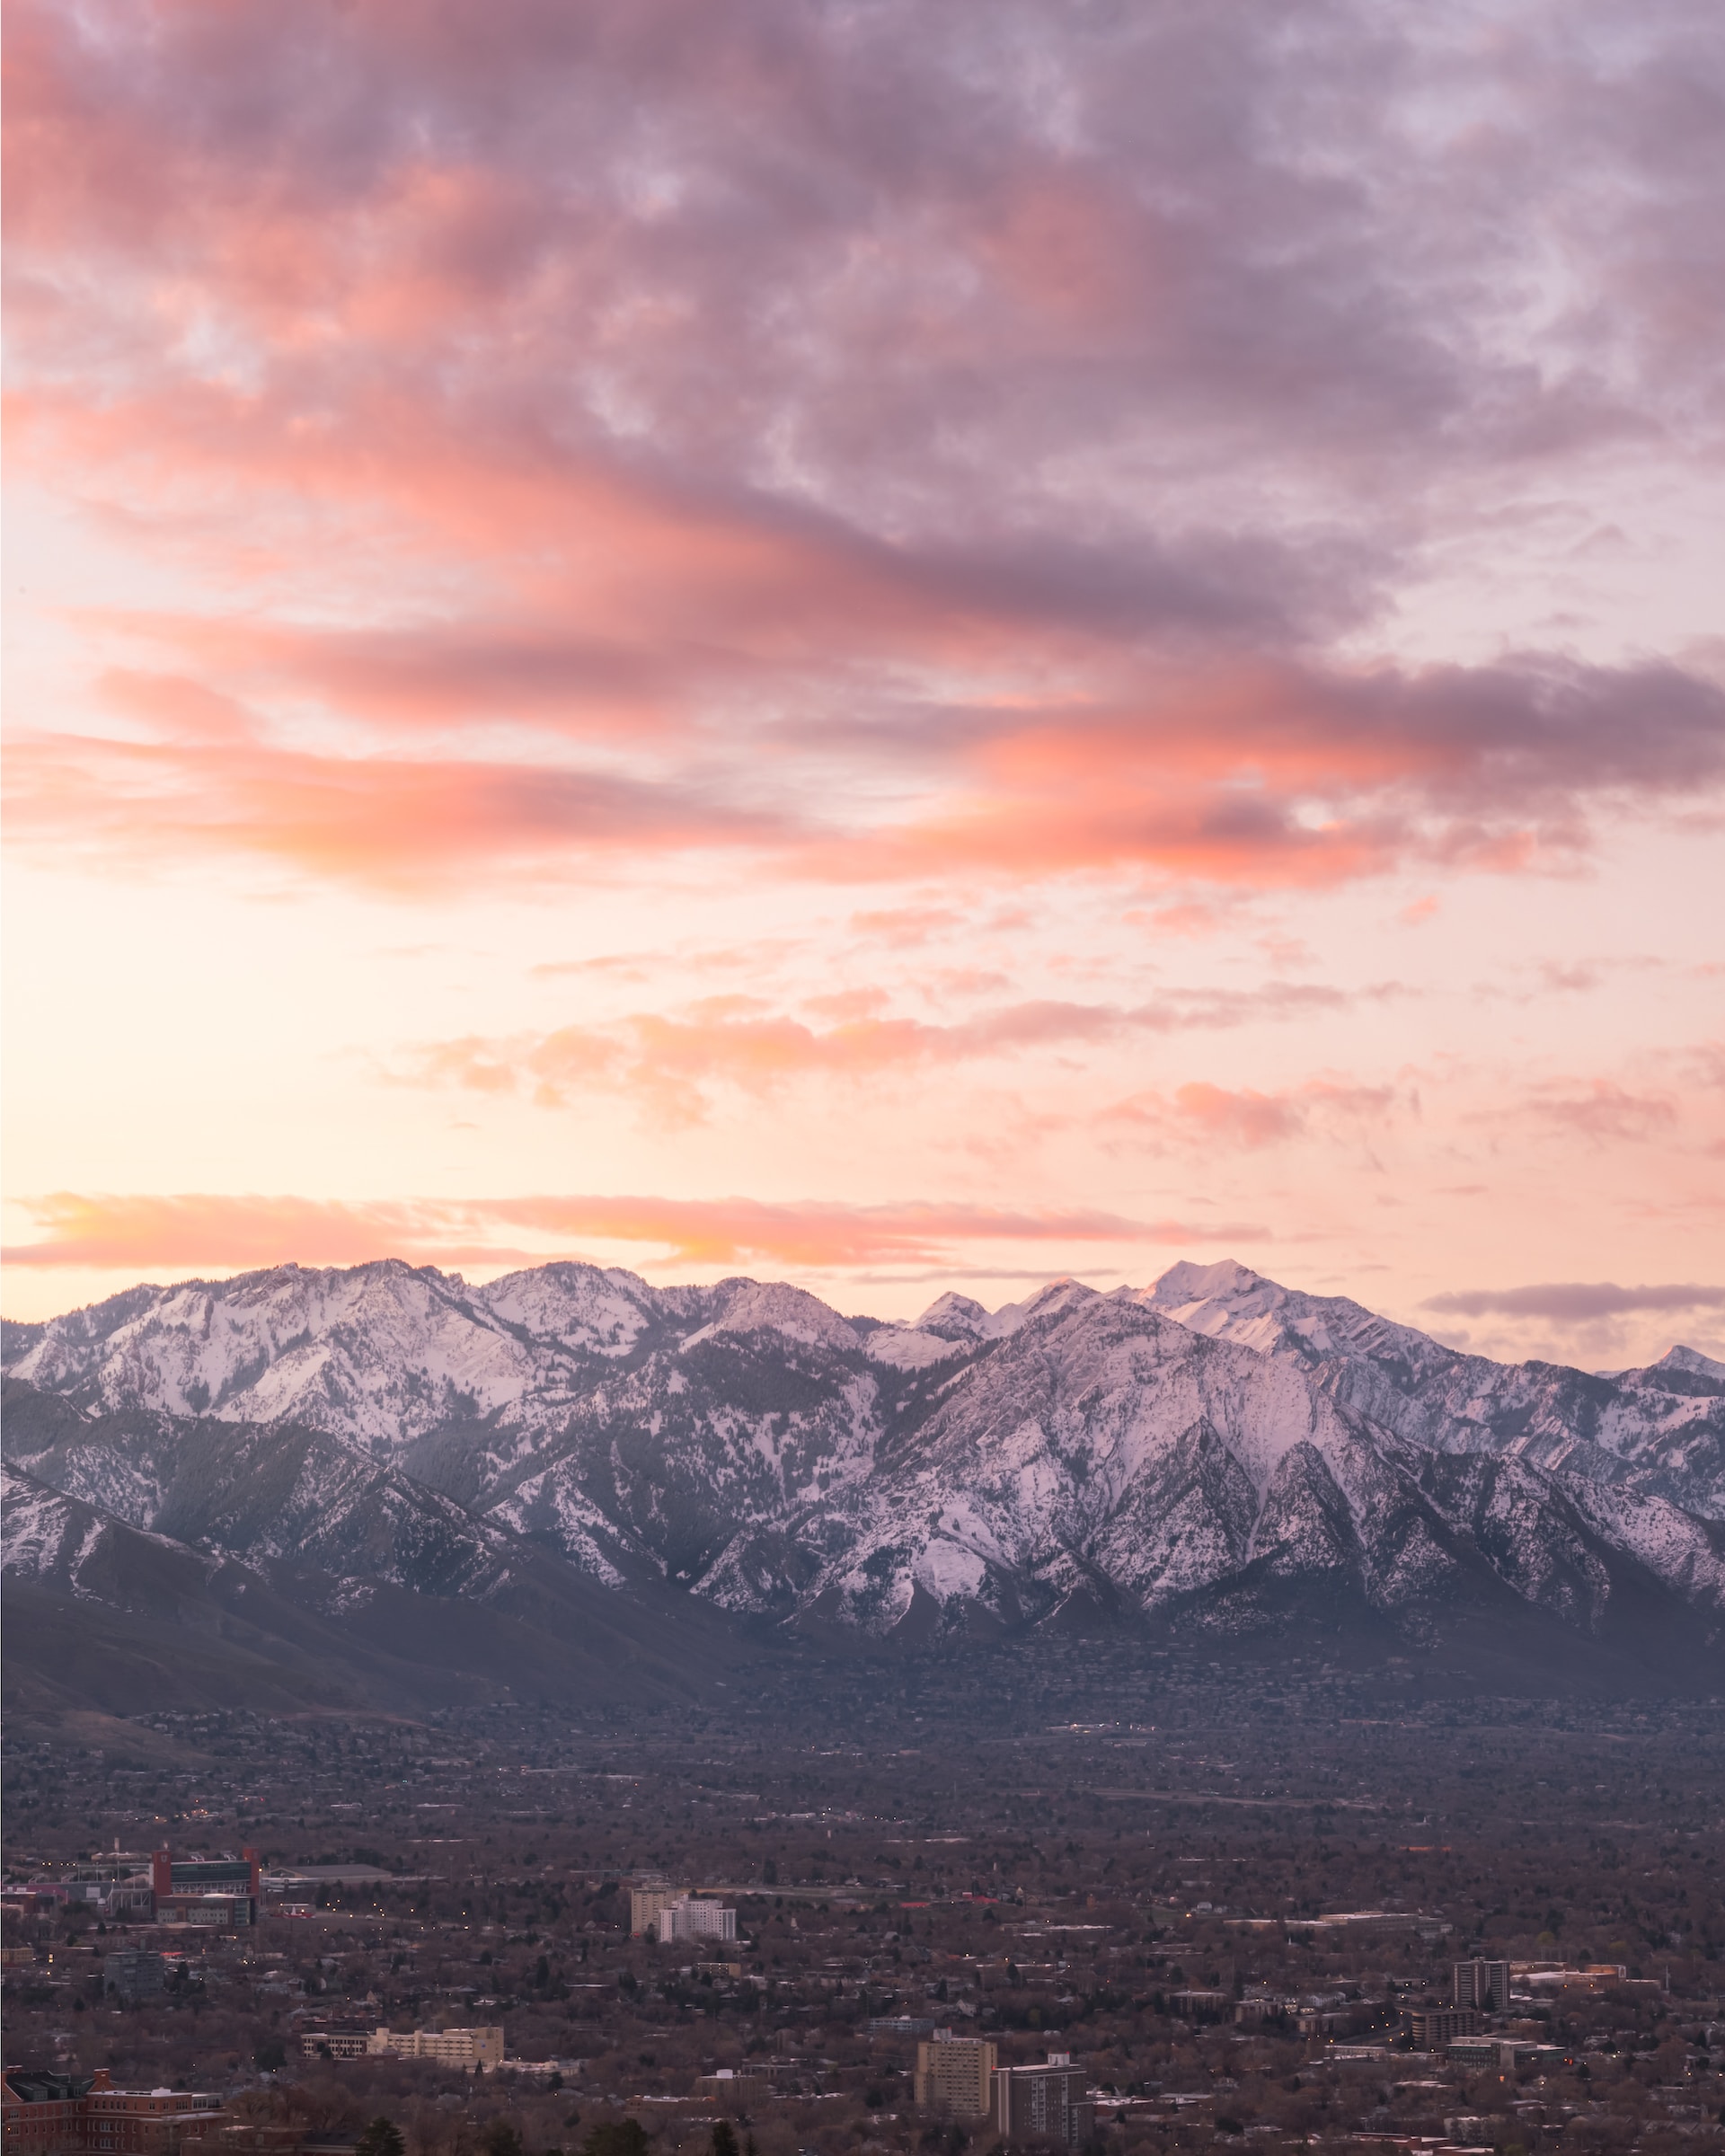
point(695, 1920)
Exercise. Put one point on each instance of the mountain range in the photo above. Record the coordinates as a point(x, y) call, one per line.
point(386, 1483)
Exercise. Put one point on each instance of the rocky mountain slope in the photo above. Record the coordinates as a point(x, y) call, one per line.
point(1660, 1429)
point(567, 1444)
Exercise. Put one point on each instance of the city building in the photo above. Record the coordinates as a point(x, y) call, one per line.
point(690, 1919)
point(954, 2075)
point(223, 1891)
point(1043, 2103)
point(645, 1902)
point(335, 2043)
point(1432, 2028)
point(133, 1975)
point(1499, 2051)
point(1484, 1984)
point(480, 2048)
point(1199, 2006)
point(728, 2082)
point(84, 2115)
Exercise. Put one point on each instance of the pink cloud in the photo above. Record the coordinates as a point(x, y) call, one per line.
point(773, 499)
point(671, 1062)
point(1245, 1119)
point(147, 1233)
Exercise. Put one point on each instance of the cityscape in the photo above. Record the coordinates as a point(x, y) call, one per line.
point(915, 1916)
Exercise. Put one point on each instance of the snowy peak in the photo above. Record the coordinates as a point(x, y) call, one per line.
point(1227, 1301)
point(951, 1317)
point(585, 1308)
point(1690, 1362)
point(753, 1306)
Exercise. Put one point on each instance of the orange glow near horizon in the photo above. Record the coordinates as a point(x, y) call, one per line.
point(1042, 677)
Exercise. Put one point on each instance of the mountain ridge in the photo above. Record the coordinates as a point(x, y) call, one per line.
point(1209, 1453)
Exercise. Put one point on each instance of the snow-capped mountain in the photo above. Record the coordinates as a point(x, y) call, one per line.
point(1206, 1452)
point(1660, 1429)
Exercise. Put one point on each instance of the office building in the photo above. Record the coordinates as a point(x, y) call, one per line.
point(955, 2075)
point(1484, 1984)
point(694, 1920)
point(1493, 2051)
point(1043, 2103)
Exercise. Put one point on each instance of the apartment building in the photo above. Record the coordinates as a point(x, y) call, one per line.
point(1043, 2103)
point(955, 2075)
point(645, 1902)
point(1484, 1984)
point(694, 1920)
point(1434, 2028)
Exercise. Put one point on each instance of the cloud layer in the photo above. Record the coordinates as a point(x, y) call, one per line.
point(1137, 585)
point(93, 1232)
point(884, 449)
point(1574, 1301)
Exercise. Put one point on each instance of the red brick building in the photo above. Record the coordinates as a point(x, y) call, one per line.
point(84, 2115)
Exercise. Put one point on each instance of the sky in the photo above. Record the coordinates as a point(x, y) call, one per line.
point(903, 647)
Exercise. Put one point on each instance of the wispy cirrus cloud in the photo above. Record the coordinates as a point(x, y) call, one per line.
point(146, 1233)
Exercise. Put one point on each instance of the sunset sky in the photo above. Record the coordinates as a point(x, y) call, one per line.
point(896, 646)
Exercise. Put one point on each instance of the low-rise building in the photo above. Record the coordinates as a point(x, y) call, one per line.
point(84, 2115)
point(955, 2075)
point(1480, 2051)
point(335, 2043)
point(1198, 2005)
point(470, 2048)
point(1433, 2028)
point(133, 1975)
point(727, 2083)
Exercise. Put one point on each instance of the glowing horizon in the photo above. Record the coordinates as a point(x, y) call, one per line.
point(897, 651)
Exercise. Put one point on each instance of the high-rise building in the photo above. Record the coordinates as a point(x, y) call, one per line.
point(954, 2075)
point(1043, 2103)
point(645, 1904)
point(691, 1919)
point(1484, 1984)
